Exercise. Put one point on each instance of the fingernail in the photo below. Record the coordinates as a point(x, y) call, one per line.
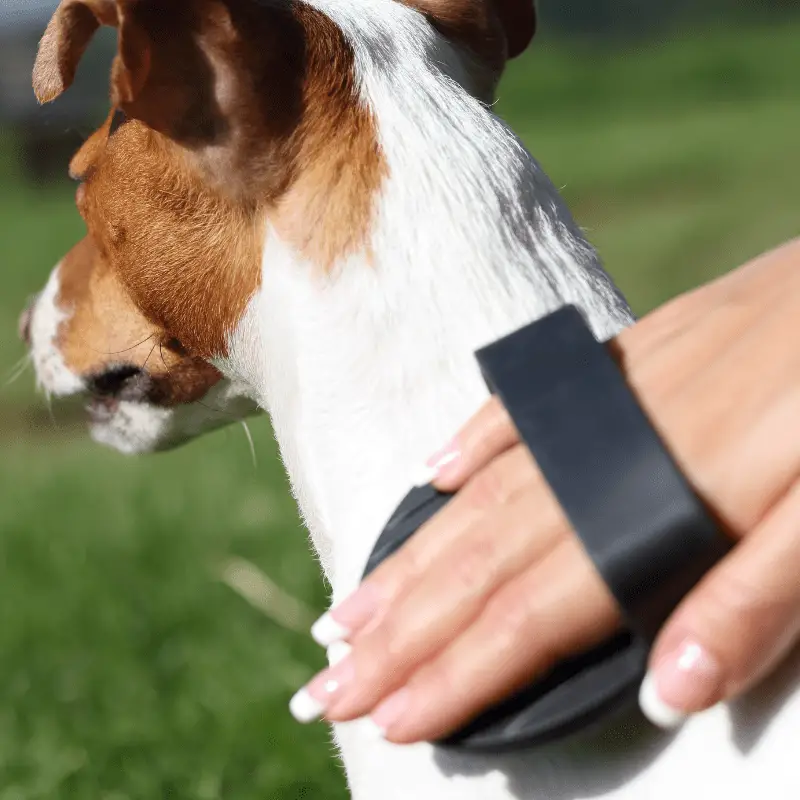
point(391, 710)
point(444, 457)
point(685, 681)
point(351, 614)
point(327, 631)
point(425, 476)
point(436, 463)
point(372, 730)
point(304, 708)
point(338, 652)
point(655, 709)
point(312, 701)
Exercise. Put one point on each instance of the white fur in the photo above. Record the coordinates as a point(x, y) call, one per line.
point(52, 374)
point(368, 371)
point(133, 427)
point(143, 428)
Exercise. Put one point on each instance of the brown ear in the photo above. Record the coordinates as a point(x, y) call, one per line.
point(518, 18)
point(68, 35)
point(495, 30)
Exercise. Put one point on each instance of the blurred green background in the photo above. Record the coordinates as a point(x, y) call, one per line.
point(128, 667)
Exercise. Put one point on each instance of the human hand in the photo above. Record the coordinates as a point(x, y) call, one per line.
point(496, 588)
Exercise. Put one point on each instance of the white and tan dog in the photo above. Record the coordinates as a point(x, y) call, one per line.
point(315, 198)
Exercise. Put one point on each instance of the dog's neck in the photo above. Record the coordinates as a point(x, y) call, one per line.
point(366, 369)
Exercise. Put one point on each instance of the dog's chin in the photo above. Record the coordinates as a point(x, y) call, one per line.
point(134, 428)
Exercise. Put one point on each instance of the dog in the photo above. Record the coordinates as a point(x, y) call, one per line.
point(315, 199)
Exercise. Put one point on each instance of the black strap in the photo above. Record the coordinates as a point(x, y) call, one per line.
point(642, 525)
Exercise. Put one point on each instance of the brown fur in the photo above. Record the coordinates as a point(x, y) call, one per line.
point(103, 329)
point(494, 30)
point(189, 257)
point(239, 114)
point(327, 212)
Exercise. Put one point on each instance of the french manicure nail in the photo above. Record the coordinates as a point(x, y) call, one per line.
point(425, 476)
point(686, 680)
point(391, 710)
point(372, 729)
point(430, 471)
point(327, 631)
point(655, 709)
point(351, 614)
point(305, 708)
point(338, 652)
point(444, 457)
point(313, 700)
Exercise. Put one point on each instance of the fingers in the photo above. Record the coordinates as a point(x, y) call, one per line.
point(735, 627)
point(440, 536)
point(485, 436)
point(558, 607)
point(449, 596)
point(438, 584)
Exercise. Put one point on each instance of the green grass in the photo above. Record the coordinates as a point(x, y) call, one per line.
point(127, 668)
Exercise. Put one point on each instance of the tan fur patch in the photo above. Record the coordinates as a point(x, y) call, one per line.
point(104, 329)
point(247, 113)
point(327, 213)
point(189, 257)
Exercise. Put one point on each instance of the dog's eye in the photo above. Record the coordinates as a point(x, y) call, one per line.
point(174, 345)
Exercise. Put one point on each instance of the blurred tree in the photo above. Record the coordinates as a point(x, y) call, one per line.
point(620, 19)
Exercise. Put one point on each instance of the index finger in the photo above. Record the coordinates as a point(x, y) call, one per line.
point(488, 434)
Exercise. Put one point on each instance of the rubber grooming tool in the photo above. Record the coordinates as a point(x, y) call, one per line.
point(640, 522)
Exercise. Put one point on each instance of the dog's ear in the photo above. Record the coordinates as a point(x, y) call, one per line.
point(221, 79)
point(162, 73)
point(67, 36)
point(519, 20)
point(495, 30)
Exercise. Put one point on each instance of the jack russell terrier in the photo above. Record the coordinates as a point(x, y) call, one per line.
point(307, 206)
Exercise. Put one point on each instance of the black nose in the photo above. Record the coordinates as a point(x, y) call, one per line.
point(24, 326)
point(123, 382)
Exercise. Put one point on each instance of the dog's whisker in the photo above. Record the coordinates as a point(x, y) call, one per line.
point(161, 353)
point(219, 411)
point(212, 409)
point(16, 376)
point(120, 352)
point(48, 401)
point(248, 434)
point(16, 365)
point(152, 350)
point(17, 371)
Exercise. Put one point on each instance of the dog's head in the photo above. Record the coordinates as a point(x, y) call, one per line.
point(143, 391)
point(228, 118)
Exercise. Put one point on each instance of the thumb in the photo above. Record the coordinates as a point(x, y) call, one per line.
point(736, 625)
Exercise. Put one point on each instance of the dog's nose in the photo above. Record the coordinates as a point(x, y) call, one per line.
point(24, 325)
point(122, 383)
